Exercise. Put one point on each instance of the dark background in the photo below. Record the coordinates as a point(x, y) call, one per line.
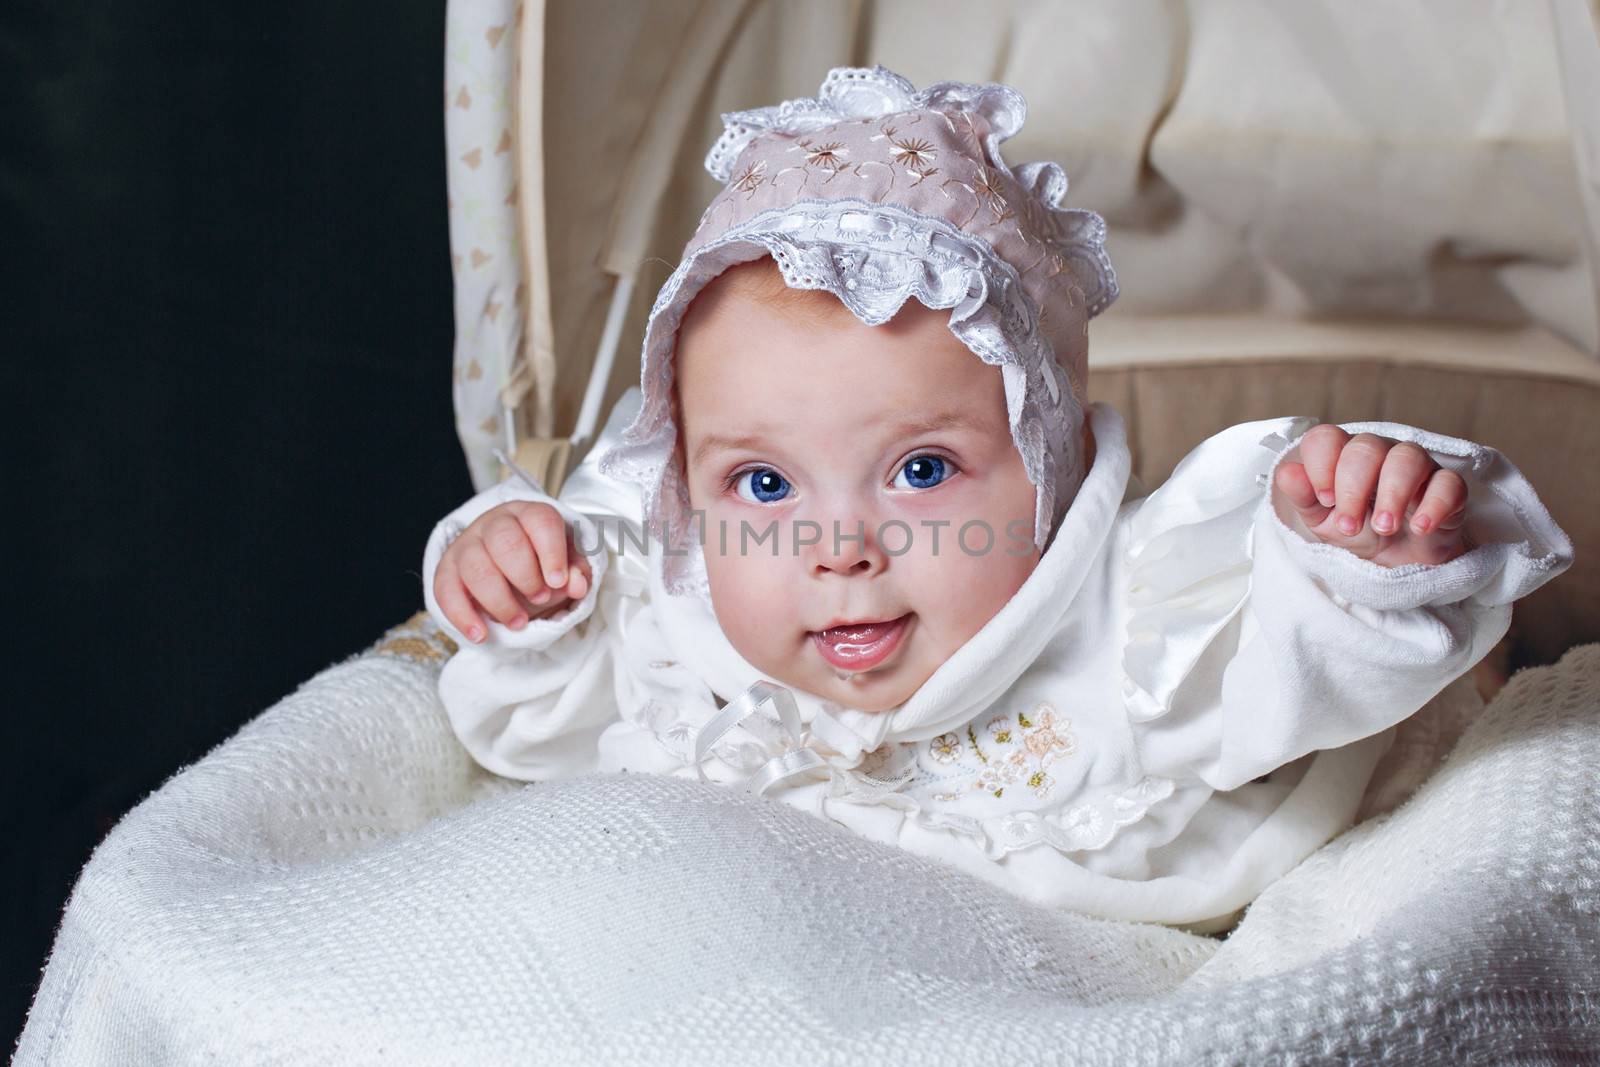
point(227, 309)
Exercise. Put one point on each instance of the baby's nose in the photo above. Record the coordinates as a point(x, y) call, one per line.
point(847, 548)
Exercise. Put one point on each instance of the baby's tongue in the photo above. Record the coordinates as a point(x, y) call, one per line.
point(859, 633)
point(861, 646)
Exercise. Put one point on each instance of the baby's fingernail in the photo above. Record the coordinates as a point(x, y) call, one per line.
point(556, 578)
point(1348, 526)
point(1422, 524)
point(1383, 522)
point(518, 621)
point(475, 634)
point(1325, 497)
point(544, 594)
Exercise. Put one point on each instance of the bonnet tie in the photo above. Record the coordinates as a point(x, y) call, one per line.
point(798, 758)
point(882, 785)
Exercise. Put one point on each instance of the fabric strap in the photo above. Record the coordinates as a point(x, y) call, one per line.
point(745, 710)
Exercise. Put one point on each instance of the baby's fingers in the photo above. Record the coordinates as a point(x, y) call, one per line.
point(489, 586)
point(580, 577)
point(512, 551)
point(454, 601)
point(1405, 471)
point(548, 532)
point(1443, 505)
point(1319, 451)
point(1355, 479)
point(1295, 485)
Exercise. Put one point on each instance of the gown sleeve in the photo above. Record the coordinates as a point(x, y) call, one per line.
point(1249, 643)
point(532, 703)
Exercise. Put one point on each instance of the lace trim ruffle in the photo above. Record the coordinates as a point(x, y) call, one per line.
point(870, 92)
point(882, 777)
point(1080, 827)
point(873, 257)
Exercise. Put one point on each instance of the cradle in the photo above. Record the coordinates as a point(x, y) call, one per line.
point(1310, 214)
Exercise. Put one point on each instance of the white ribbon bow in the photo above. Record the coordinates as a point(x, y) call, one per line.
point(796, 760)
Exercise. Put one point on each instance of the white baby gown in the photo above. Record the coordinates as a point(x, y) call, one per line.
point(1186, 697)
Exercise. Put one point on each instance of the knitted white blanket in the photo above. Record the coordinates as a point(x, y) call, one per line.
point(338, 882)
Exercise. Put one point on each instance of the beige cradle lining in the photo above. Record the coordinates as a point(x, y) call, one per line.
point(1420, 165)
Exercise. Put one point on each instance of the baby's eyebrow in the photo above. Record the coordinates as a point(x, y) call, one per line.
point(931, 421)
point(713, 442)
point(918, 423)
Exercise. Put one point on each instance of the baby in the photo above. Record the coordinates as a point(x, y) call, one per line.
point(889, 567)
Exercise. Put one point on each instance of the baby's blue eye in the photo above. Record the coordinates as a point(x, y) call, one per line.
point(923, 472)
point(766, 485)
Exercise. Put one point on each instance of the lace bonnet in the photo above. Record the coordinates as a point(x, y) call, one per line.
point(877, 193)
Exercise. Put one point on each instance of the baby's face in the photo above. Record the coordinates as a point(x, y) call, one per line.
point(797, 422)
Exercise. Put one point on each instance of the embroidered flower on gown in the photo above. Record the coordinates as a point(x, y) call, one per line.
point(945, 748)
point(1016, 751)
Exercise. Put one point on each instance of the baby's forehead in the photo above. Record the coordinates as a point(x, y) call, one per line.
point(749, 341)
point(835, 409)
point(759, 283)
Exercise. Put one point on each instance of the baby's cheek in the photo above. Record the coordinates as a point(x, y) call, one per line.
point(964, 591)
point(751, 604)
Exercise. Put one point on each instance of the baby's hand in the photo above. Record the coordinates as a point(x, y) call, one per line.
point(513, 561)
point(1417, 508)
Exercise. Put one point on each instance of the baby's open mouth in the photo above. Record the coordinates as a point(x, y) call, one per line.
point(860, 646)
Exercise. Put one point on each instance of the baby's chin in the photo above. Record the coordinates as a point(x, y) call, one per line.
point(864, 693)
